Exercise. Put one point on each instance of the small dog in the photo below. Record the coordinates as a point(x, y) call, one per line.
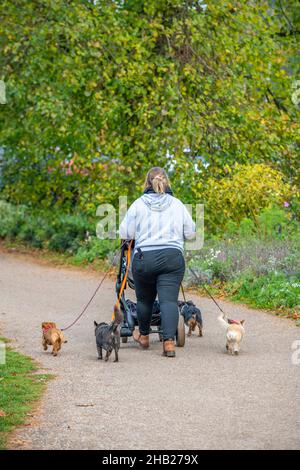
point(234, 335)
point(108, 336)
point(192, 316)
point(52, 336)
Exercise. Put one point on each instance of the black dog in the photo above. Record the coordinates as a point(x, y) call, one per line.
point(108, 336)
point(192, 316)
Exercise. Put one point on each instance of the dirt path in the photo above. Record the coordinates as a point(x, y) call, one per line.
point(203, 399)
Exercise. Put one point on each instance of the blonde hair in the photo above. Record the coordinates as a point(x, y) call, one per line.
point(157, 179)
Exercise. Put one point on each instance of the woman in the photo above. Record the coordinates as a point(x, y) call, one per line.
point(159, 223)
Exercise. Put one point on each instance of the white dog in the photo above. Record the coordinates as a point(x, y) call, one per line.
point(234, 333)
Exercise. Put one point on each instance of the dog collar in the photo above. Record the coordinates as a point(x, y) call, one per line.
point(233, 322)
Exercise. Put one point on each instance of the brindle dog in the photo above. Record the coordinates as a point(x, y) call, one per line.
point(108, 336)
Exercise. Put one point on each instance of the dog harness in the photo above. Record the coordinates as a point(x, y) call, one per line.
point(188, 310)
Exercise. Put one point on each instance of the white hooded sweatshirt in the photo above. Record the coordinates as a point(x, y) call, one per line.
point(157, 221)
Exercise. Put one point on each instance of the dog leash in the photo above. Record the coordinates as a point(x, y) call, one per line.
point(94, 294)
point(88, 304)
point(183, 293)
point(123, 285)
point(206, 290)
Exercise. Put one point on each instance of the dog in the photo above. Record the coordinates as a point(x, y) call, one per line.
point(52, 336)
point(192, 316)
point(108, 336)
point(234, 333)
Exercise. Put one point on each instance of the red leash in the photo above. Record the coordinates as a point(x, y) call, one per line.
point(96, 290)
point(88, 304)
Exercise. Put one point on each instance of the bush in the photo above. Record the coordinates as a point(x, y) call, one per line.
point(260, 262)
point(274, 290)
point(274, 222)
point(64, 233)
point(11, 219)
point(94, 249)
point(243, 194)
point(68, 233)
point(227, 259)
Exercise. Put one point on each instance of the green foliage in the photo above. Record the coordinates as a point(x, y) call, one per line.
point(56, 231)
point(272, 291)
point(247, 228)
point(11, 219)
point(259, 263)
point(243, 194)
point(69, 232)
point(94, 249)
point(99, 91)
point(20, 388)
point(273, 221)
point(288, 13)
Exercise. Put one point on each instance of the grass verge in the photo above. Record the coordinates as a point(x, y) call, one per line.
point(257, 294)
point(20, 389)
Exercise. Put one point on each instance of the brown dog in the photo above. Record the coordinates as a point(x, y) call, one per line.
point(52, 336)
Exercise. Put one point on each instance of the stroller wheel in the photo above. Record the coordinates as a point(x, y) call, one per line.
point(124, 339)
point(180, 334)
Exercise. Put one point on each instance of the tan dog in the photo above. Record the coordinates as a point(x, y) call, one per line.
point(235, 332)
point(52, 336)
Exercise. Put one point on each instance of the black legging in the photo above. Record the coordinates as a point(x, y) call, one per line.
point(158, 272)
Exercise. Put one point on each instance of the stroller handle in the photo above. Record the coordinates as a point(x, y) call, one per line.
point(125, 246)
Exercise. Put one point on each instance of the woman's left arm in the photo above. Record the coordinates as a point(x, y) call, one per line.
point(128, 224)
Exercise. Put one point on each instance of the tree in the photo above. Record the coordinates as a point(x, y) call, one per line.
point(99, 91)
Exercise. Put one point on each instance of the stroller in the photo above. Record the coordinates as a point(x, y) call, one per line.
point(128, 307)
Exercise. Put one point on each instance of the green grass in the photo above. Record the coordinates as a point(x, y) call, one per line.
point(20, 389)
point(270, 291)
point(274, 292)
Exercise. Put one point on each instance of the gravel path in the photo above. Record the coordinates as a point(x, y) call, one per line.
point(202, 399)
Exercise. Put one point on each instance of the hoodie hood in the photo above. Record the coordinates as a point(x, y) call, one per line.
point(157, 202)
point(151, 190)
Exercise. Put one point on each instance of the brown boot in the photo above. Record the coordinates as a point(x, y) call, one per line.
point(143, 340)
point(169, 348)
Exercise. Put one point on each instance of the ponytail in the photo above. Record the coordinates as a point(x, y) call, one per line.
point(158, 180)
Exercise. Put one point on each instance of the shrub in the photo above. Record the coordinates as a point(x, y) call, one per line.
point(273, 221)
point(64, 233)
point(11, 219)
point(69, 231)
point(95, 248)
point(243, 194)
point(258, 263)
point(274, 290)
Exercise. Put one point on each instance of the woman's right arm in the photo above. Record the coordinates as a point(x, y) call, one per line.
point(189, 226)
